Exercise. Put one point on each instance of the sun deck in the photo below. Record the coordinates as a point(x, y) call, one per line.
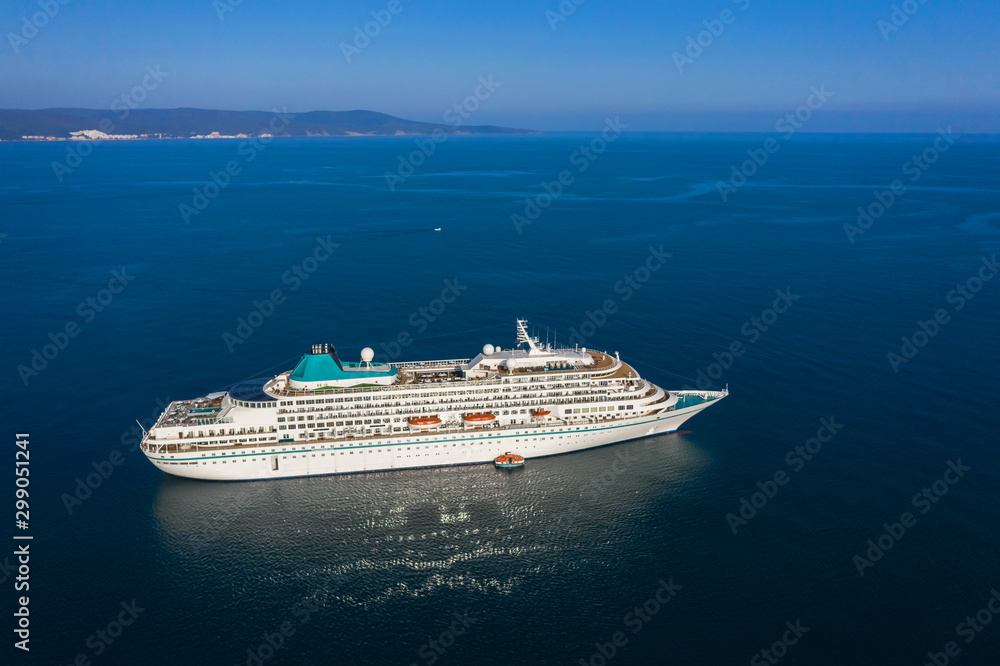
point(431, 373)
point(602, 362)
point(200, 411)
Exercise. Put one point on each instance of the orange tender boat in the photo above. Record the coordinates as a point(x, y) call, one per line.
point(509, 460)
point(479, 418)
point(424, 420)
point(538, 413)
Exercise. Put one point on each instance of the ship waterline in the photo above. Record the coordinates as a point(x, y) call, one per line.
point(326, 416)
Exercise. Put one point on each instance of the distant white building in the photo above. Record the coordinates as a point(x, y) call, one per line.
point(216, 135)
point(97, 135)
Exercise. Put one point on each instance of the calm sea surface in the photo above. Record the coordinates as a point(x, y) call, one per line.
point(565, 559)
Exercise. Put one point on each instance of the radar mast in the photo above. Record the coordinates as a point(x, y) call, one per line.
point(524, 338)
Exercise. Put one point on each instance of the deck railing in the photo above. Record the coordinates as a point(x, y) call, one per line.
point(175, 446)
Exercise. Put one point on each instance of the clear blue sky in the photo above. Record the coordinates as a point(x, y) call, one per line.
point(939, 67)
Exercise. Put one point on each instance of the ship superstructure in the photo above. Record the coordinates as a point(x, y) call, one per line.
point(328, 416)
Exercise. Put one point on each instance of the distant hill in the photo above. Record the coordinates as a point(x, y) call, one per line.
point(15, 123)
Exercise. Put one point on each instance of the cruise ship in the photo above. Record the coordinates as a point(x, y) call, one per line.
point(329, 416)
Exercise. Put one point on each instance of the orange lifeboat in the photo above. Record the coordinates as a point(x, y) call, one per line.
point(509, 460)
point(479, 418)
point(424, 421)
point(539, 413)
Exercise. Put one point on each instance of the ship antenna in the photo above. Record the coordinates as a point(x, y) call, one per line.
point(524, 338)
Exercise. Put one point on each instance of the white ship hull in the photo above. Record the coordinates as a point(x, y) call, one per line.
point(436, 450)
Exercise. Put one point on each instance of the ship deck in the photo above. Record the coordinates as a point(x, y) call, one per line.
point(203, 411)
point(447, 372)
point(688, 399)
point(200, 411)
point(602, 362)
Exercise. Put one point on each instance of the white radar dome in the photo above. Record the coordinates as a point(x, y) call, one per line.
point(488, 349)
point(367, 354)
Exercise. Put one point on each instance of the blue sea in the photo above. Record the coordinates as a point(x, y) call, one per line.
point(839, 507)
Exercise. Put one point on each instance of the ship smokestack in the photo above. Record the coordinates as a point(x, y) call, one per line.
point(323, 348)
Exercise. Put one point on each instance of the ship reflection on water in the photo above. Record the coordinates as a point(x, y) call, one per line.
point(385, 534)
